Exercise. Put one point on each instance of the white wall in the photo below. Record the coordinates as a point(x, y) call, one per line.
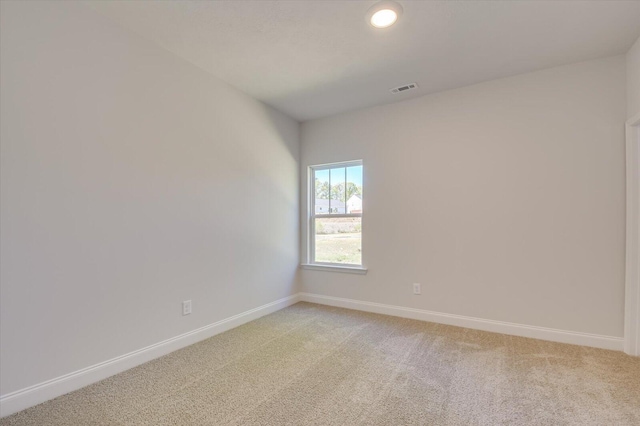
point(633, 80)
point(131, 180)
point(632, 306)
point(504, 199)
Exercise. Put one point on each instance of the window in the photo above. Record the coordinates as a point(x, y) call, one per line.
point(335, 220)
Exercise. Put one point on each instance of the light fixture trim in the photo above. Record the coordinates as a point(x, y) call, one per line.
point(384, 14)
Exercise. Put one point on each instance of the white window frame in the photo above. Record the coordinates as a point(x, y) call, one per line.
point(311, 232)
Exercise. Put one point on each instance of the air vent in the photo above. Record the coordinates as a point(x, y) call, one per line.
point(404, 88)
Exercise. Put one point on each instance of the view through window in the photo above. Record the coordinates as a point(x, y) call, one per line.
point(336, 217)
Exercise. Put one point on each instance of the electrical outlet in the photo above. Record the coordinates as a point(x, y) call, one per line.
point(417, 288)
point(186, 307)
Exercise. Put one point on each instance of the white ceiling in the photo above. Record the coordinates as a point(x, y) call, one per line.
point(311, 59)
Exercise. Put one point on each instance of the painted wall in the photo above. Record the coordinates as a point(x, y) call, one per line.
point(633, 80)
point(632, 306)
point(517, 192)
point(131, 181)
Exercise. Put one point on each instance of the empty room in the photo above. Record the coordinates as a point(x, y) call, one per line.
point(319, 212)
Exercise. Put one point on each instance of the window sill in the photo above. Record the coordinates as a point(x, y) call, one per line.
point(331, 268)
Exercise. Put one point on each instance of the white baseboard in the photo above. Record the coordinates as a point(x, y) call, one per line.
point(551, 334)
point(41, 392)
point(36, 394)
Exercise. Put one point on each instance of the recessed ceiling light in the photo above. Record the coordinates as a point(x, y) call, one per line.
point(384, 14)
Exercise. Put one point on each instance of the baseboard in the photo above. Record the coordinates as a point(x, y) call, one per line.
point(36, 394)
point(554, 335)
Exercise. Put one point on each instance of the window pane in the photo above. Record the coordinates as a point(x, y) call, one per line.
point(337, 190)
point(354, 189)
point(338, 240)
point(322, 191)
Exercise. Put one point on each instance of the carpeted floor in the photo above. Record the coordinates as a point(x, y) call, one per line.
point(316, 365)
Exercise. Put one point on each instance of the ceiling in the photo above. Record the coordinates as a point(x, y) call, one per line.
point(311, 59)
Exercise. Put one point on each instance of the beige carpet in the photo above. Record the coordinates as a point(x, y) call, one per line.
point(315, 365)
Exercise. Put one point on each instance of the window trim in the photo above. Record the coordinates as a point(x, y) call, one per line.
point(331, 267)
point(327, 266)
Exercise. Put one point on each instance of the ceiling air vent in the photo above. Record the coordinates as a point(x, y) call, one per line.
point(404, 88)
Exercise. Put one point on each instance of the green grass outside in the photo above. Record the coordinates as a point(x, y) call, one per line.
point(339, 248)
